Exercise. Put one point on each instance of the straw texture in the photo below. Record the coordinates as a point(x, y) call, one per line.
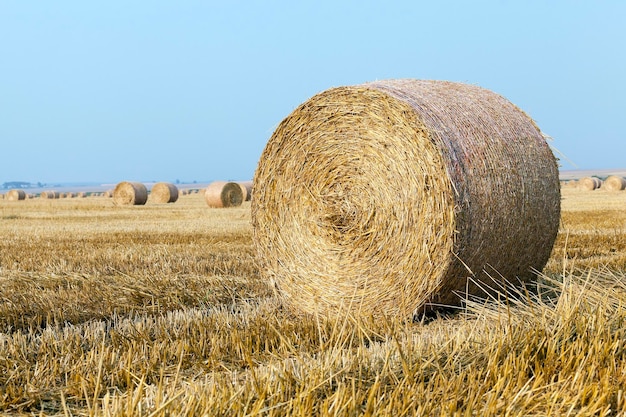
point(223, 194)
point(164, 192)
point(128, 193)
point(394, 197)
point(614, 183)
point(15, 195)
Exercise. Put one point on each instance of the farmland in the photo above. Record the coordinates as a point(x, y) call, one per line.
point(160, 310)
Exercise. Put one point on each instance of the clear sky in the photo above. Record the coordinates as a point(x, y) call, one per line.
point(117, 90)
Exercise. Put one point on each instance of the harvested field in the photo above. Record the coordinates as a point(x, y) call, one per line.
point(161, 310)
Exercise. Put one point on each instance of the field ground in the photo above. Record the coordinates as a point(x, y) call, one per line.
point(159, 310)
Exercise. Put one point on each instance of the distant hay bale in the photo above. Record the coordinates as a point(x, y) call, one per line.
point(164, 192)
point(223, 194)
point(396, 197)
point(50, 194)
point(246, 188)
point(81, 194)
point(107, 193)
point(589, 183)
point(614, 183)
point(184, 192)
point(128, 193)
point(15, 195)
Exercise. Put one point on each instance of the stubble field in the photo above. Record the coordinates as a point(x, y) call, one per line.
point(159, 310)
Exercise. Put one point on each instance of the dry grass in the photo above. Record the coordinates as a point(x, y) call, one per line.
point(160, 310)
point(394, 193)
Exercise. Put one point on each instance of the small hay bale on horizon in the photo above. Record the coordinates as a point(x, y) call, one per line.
point(129, 193)
point(15, 195)
point(614, 183)
point(164, 192)
point(246, 188)
point(395, 197)
point(49, 194)
point(589, 183)
point(223, 194)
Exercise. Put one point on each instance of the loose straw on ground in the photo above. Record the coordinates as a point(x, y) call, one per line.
point(223, 194)
point(164, 192)
point(128, 193)
point(394, 197)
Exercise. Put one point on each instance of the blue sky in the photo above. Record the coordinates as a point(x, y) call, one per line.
point(113, 90)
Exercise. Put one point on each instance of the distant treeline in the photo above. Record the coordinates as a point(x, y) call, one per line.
point(21, 184)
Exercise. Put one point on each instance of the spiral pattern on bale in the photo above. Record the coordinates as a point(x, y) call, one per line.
point(397, 196)
point(128, 193)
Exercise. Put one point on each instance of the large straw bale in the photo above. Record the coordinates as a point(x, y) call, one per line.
point(128, 193)
point(614, 183)
point(164, 192)
point(223, 194)
point(395, 197)
point(16, 195)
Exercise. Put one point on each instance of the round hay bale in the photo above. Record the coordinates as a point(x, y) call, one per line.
point(130, 194)
point(396, 197)
point(16, 195)
point(223, 194)
point(589, 183)
point(614, 183)
point(246, 188)
point(50, 194)
point(164, 192)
